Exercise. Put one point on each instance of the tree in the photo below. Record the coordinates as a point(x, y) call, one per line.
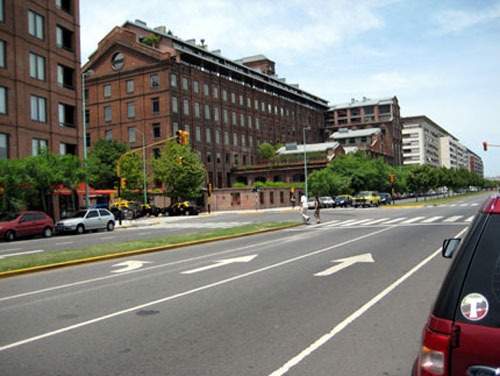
point(102, 161)
point(12, 178)
point(182, 181)
point(266, 151)
point(421, 179)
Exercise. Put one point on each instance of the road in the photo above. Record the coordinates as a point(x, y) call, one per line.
point(348, 296)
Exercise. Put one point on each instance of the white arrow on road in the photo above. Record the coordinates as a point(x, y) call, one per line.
point(221, 263)
point(344, 263)
point(129, 265)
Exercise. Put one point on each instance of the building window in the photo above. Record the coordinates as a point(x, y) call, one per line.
point(132, 134)
point(88, 140)
point(242, 120)
point(4, 146)
point(37, 66)
point(207, 112)
point(224, 95)
point(109, 135)
point(64, 5)
point(187, 128)
point(235, 139)
point(208, 136)
point(175, 106)
point(250, 141)
point(185, 83)
point(65, 77)
point(225, 115)
point(35, 24)
point(1, 11)
point(217, 114)
point(38, 109)
point(2, 54)
point(257, 124)
point(197, 109)
point(175, 128)
point(216, 92)
point(209, 157)
point(217, 137)
point(250, 122)
point(107, 113)
point(66, 115)
point(37, 145)
point(233, 98)
point(241, 100)
point(131, 109)
point(130, 86)
point(117, 61)
point(243, 140)
point(234, 118)
point(156, 130)
point(154, 81)
point(226, 138)
point(205, 90)
point(155, 105)
point(156, 153)
point(107, 91)
point(173, 80)
point(218, 158)
point(64, 38)
point(198, 134)
point(185, 107)
point(87, 116)
point(196, 87)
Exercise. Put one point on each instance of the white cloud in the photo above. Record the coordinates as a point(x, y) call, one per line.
point(455, 21)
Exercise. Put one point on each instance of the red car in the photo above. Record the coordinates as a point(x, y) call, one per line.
point(14, 225)
point(462, 334)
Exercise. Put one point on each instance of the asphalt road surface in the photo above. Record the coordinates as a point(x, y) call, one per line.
point(349, 296)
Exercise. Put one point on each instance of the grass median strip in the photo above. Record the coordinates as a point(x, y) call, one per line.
point(141, 245)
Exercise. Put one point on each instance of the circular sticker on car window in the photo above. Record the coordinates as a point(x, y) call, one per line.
point(474, 307)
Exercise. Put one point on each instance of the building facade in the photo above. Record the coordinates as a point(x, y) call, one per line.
point(366, 114)
point(144, 81)
point(453, 153)
point(39, 77)
point(475, 163)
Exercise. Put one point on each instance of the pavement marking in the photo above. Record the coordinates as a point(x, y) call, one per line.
point(476, 204)
point(22, 253)
point(415, 219)
point(453, 218)
point(108, 237)
point(182, 294)
point(341, 223)
point(354, 316)
point(432, 219)
point(63, 243)
point(144, 233)
point(376, 221)
point(356, 222)
point(394, 220)
point(470, 218)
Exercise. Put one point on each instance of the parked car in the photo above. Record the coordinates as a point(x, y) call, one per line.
point(385, 198)
point(127, 210)
point(366, 198)
point(311, 204)
point(326, 202)
point(343, 201)
point(27, 223)
point(89, 219)
point(148, 210)
point(182, 208)
point(462, 334)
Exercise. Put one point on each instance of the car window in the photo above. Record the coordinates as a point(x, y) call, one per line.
point(38, 216)
point(103, 213)
point(26, 218)
point(479, 301)
point(92, 214)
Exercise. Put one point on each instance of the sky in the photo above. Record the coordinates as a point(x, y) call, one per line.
point(440, 58)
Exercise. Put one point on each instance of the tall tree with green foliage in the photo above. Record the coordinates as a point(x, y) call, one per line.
point(12, 185)
point(266, 151)
point(182, 181)
point(101, 162)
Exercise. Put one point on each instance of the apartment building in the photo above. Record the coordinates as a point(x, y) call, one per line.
point(475, 163)
point(453, 153)
point(368, 114)
point(422, 141)
point(39, 77)
point(146, 81)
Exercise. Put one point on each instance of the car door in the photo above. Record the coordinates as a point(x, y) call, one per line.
point(477, 316)
point(26, 225)
point(92, 220)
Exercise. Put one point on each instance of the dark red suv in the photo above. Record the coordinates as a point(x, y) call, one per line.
point(13, 225)
point(462, 335)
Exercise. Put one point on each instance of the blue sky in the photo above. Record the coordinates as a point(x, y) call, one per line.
point(440, 58)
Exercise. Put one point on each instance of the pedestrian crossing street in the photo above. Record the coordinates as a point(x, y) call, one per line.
point(399, 221)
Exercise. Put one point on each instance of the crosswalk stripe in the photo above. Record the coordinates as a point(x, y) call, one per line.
point(452, 205)
point(415, 219)
point(376, 221)
point(453, 218)
point(470, 218)
point(464, 205)
point(356, 222)
point(394, 220)
point(329, 223)
point(341, 223)
point(432, 219)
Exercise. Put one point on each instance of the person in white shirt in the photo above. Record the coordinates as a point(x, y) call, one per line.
point(303, 209)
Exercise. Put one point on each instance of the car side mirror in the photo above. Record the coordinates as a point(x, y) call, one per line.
point(450, 246)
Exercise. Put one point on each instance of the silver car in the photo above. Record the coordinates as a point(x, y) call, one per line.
point(84, 220)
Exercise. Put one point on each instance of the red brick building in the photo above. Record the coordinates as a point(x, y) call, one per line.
point(144, 81)
point(366, 114)
point(39, 77)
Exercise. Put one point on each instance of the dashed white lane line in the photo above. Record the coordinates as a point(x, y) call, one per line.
point(22, 253)
point(63, 243)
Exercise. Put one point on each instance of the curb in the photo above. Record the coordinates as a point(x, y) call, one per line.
point(12, 273)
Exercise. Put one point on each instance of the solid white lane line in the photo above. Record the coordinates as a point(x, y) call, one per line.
point(432, 219)
point(22, 253)
point(453, 218)
point(376, 221)
point(63, 243)
point(394, 220)
point(415, 219)
point(354, 316)
point(185, 293)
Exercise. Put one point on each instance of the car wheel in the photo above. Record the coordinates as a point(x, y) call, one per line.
point(10, 236)
point(110, 226)
point(47, 232)
point(80, 229)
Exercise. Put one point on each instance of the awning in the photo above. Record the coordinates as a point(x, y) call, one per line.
point(80, 190)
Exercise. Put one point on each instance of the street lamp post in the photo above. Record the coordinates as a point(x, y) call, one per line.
point(305, 156)
point(84, 123)
point(144, 168)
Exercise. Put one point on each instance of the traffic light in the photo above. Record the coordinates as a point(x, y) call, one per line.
point(123, 183)
point(180, 138)
point(180, 160)
point(185, 138)
point(485, 146)
point(392, 178)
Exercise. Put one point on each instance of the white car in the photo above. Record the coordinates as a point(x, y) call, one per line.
point(89, 219)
